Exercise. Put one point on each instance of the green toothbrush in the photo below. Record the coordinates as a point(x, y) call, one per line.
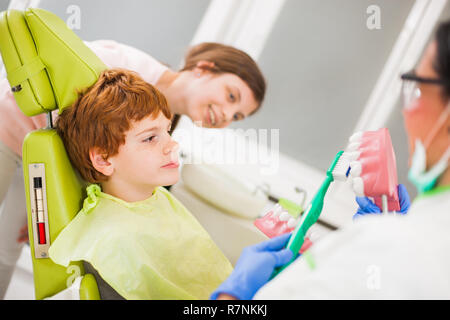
point(338, 170)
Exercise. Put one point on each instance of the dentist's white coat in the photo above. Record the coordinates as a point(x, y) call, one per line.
point(377, 257)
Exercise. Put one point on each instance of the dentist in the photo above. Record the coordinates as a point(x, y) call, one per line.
point(379, 257)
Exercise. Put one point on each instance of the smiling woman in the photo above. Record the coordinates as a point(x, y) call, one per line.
point(218, 84)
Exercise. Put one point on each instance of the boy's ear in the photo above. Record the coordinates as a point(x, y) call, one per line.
point(100, 161)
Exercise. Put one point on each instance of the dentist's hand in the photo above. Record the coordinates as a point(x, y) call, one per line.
point(254, 268)
point(366, 206)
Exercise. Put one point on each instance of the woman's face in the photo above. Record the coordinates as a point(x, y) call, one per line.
point(422, 114)
point(215, 100)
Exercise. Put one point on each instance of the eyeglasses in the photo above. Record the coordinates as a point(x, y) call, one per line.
point(410, 87)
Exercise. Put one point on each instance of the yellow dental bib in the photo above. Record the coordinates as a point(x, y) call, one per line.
point(150, 249)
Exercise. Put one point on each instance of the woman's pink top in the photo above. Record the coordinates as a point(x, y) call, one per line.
point(14, 125)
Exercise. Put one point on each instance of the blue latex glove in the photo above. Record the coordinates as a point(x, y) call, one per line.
point(366, 206)
point(254, 268)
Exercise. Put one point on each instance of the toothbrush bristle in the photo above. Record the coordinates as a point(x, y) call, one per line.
point(342, 168)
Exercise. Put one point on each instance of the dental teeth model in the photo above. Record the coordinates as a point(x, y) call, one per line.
point(373, 169)
point(277, 222)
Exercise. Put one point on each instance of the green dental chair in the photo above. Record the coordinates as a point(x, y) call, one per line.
point(46, 64)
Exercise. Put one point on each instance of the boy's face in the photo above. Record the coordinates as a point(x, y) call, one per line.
point(149, 157)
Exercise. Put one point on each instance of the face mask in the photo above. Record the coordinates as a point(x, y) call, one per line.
point(422, 179)
point(426, 180)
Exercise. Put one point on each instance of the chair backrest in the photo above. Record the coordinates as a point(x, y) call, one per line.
point(46, 65)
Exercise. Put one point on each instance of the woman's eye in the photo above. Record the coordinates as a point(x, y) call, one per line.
point(238, 117)
point(232, 98)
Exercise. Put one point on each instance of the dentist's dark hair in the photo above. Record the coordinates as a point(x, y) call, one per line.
point(441, 63)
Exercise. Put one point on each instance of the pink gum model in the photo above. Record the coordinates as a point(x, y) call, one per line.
point(373, 167)
point(277, 222)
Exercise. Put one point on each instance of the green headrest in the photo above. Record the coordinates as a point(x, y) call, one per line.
point(46, 63)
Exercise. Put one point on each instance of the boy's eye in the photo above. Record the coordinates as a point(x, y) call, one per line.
point(150, 139)
point(232, 98)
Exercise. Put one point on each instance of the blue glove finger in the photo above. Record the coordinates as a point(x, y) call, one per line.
point(282, 257)
point(366, 205)
point(254, 267)
point(403, 196)
point(275, 243)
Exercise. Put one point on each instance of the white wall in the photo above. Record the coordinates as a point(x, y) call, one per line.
point(163, 29)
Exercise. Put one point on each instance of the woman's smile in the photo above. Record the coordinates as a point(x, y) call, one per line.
point(211, 117)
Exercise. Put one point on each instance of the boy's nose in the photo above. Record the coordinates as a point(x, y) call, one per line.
point(171, 147)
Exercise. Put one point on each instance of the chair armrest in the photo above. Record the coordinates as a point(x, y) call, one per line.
point(89, 288)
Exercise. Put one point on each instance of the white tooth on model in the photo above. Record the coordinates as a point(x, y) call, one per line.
point(276, 212)
point(353, 146)
point(313, 236)
point(353, 156)
point(358, 186)
point(284, 216)
point(355, 169)
point(292, 222)
point(356, 136)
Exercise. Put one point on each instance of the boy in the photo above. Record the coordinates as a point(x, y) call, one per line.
point(142, 241)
